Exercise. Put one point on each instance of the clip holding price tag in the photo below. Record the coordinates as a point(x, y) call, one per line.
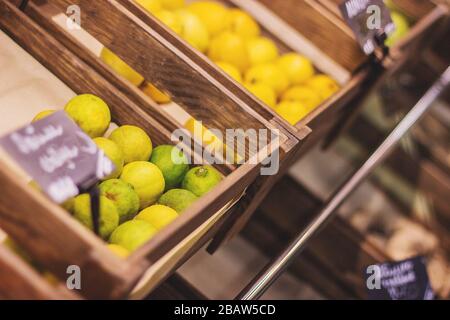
point(371, 23)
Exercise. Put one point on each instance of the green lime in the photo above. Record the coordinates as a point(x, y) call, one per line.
point(178, 199)
point(133, 234)
point(109, 217)
point(123, 196)
point(172, 162)
point(201, 180)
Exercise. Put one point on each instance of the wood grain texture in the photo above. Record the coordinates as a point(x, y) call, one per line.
point(18, 281)
point(161, 63)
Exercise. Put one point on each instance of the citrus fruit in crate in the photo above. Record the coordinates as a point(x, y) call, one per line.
point(119, 250)
point(261, 50)
point(151, 6)
point(297, 68)
point(172, 4)
point(123, 195)
point(212, 14)
point(303, 94)
point(292, 111)
point(119, 66)
point(90, 113)
point(158, 216)
point(264, 92)
point(170, 19)
point(173, 164)
point(135, 144)
point(323, 85)
point(147, 180)
point(268, 74)
point(43, 114)
point(193, 30)
point(109, 217)
point(401, 28)
point(242, 24)
point(231, 70)
point(133, 234)
point(113, 152)
point(230, 48)
point(201, 180)
point(156, 94)
point(178, 199)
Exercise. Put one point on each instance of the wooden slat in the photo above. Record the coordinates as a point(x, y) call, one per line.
point(152, 54)
point(18, 281)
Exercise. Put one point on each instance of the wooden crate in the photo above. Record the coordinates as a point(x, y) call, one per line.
point(19, 281)
point(55, 239)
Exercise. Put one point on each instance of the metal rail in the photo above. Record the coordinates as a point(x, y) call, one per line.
point(273, 270)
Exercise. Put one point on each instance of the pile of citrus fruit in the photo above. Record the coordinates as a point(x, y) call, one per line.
point(231, 38)
point(149, 188)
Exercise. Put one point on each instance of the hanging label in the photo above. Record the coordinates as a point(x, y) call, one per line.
point(58, 155)
point(368, 19)
point(405, 280)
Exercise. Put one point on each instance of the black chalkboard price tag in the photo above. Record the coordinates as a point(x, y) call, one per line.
point(404, 280)
point(58, 155)
point(370, 21)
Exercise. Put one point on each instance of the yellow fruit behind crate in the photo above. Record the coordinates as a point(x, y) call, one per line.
point(119, 66)
point(156, 94)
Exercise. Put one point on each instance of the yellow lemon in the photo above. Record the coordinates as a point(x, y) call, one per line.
point(43, 114)
point(268, 74)
point(121, 67)
point(303, 94)
point(292, 111)
point(264, 92)
point(230, 48)
point(170, 19)
point(231, 70)
point(113, 152)
point(156, 94)
point(158, 216)
point(147, 180)
point(172, 4)
point(242, 24)
point(90, 113)
point(212, 14)
point(261, 50)
point(133, 234)
point(119, 250)
point(134, 142)
point(193, 30)
point(151, 6)
point(401, 28)
point(323, 85)
point(297, 68)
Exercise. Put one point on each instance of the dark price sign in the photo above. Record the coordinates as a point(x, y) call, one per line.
point(369, 20)
point(404, 280)
point(58, 155)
